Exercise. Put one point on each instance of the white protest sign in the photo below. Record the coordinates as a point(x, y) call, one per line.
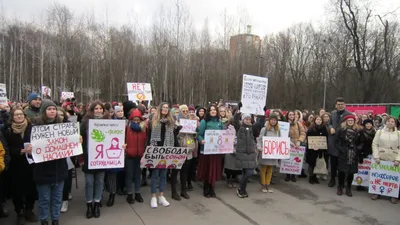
point(139, 91)
point(188, 126)
point(254, 94)
point(164, 157)
point(284, 127)
point(105, 140)
point(46, 92)
point(362, 177)
point(219, 141)
point(65, 95)
point(384, 179)
point(295, 163)
point(276, 148)
point(55, 141)
point(3, 94)
point(73, 118)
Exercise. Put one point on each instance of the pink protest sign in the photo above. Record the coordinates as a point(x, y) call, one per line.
point(295, 163)
point(219, 141)
point(164, 157)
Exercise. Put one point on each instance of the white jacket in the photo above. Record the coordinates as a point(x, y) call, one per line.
point(386, 145)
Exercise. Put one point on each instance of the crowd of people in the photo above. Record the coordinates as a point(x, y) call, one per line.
point(351, 138)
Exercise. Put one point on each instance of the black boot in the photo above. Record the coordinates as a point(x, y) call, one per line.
point(311, 180)
point(212, 192)
point(138, 197)
point(339, 190)
point(30, 216)
point(287, 178)
point(206, 190)
point(111, 200)
point(96, 210)
point(293, 178)
point(190, 186)
point(21, 218)
point(175, 194)
point(54, 222)
point(44, 223)
point(89, 210)
point(303, 174)
point(129, 199)
point(184, 194)
point(348, 191)
point(332, 182)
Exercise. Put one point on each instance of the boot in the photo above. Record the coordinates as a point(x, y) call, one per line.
point(332, 182)
point(44, 222)
point(190, 186)
point(54, 222)
point(348, 191)
point(212, 192)
point(316, 179)
point(111, 200)
point(21, 218)
point(184, 194)
point(96, 210)
point(287, 178)
point(30, 216)
point(339, 190)
point(311, 180)
point(138, 198)
point(4, 211)
point(206, 190)
point(89, 210)
point(293, 178)
point(129, 199)
point(175, 194)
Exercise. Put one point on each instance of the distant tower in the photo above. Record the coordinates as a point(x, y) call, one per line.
point(245, 43)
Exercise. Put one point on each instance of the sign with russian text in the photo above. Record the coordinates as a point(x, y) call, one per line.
point(317, 142)
point(3, 95)
point(139, 91)
point(46, 92)
point(362, 177)
point(105, 141)
point(384, 179)
point(164, 157)
point(276, 148)
point(188, 126)
point(65, 95)
point(295, 163)
point(284, 127)
point(254, 94)
point(219, 141)
point(55, 141)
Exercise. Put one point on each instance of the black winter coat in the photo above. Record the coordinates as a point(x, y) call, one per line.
point(365, 146)
point(347, 142)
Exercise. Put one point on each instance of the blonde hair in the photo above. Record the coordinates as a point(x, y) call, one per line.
point(158, 116)
point(268, 126)
point(227, 115)
point(354, 127)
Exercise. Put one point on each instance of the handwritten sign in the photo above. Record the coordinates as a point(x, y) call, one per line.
point(276, 148)
point(65, 95)
point(362, 177)
point(317, 142)
point(384, 179)
point(55, 141)
point(284, 127)
point(46, 92)
point(295, 163)
point(106, 138)
point(254, 94)
point(188, 126)
point(219, 141)
point(139, 91)
point(3, 94)
point(164, 157)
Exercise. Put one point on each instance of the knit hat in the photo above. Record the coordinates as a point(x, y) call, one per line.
point(273, 116)
point(183, 107)
point(367, 121)
point(117, 109)
point(46, 104)
point(33, 96)
point(191, 108)
point(349, 117)
point(246, 115)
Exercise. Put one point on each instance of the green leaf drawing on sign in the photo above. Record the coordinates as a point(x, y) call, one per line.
point(97, 135)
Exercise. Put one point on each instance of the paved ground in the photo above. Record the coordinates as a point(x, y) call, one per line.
point(291, 204)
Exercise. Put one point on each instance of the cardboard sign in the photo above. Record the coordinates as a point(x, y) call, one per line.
point(219, 142)
point(295, 163)
point(276, 148)
point(3, 95)
point(164, 157)
point(55, 141)
point(284, 128)
point(254, 94)
point(65, 95)
point(106, 138)
point(139, 91)
point(317, 142)
point(188, 126)
point(46, 92)
point(384, 179)
point(362, 177)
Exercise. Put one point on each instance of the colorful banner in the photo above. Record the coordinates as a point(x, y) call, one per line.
point(365, 109)
point(46, 92)
point(139, 91)
point(219, 141)
point(164, 157)
point(276, 148)
point(362, 177)
point(384, 179)
point(284, 127)
point(3, 95)
point(395, 111)
point(65, 95)
point(254, 94)
point(317, 142)
point(295, 163)
point(55, 141)
point(188, 126)
point(105, 140)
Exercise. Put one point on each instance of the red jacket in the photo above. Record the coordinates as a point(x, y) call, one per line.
point(136, 141)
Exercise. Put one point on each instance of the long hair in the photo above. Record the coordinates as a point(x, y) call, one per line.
point(326, 114)
point(158, 116)
point(314, 125)
point(287, 116)
point(44, 118)
point(13, 110)
point(226, 112)
point(61, 109)
point(276, 127)
point(90, 112)
point(344, 125)
point(208, 116)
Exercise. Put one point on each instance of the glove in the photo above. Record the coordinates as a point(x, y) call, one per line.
point(298, 143)
point(178, 128)
point(240, 105)
point(377, 161)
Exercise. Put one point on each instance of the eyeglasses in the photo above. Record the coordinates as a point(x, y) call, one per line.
point(184, 111)
point(19, 114)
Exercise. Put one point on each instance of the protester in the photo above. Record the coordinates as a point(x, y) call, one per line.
point(230, 168)
point(33, 109)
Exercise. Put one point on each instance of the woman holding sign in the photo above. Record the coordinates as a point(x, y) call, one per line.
point(297, 134)
point(386, 147)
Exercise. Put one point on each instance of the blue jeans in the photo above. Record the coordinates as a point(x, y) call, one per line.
point(50, 194)
point(158, 174)
point(246, 174)
point(132, 171)
point(94, 185)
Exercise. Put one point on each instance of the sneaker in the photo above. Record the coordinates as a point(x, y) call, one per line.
point(374, 197)
point(269, 189)
point(153, 202)
point(64, 207)
point(264, 189)
point(162, 201)
point(245, 194)
point(240, 193)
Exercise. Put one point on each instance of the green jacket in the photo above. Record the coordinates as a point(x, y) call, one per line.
point(32, 113)
point(213, 124)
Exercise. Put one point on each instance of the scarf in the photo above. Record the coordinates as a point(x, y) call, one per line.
point(19, 128)
point(135, 126)
point(98, 117)
point(224, 120)
point(169, 140)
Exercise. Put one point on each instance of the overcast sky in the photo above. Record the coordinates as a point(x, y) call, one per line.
point(266, 15)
